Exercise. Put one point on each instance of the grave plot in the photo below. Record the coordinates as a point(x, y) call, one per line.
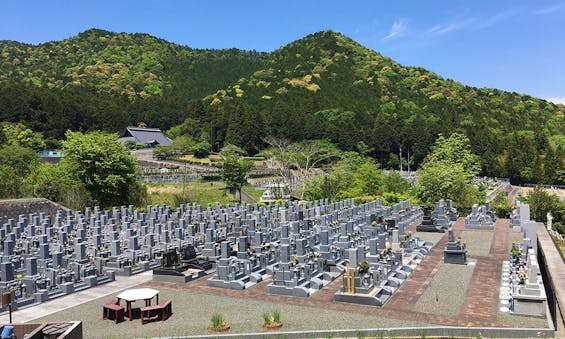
point(522, 290)
point(440, 219)
point(456, 251)
point(288, 243)
point(480, 218)
point(377, 266)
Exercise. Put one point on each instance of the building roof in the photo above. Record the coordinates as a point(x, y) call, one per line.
point(146, 136)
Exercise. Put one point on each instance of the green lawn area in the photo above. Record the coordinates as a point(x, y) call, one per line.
point(202, 192)
point(256, 193)
point(202, 161)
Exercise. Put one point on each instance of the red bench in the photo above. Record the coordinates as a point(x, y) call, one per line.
point(111, 309)
point(163, 310)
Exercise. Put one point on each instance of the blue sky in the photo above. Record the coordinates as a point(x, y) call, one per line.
point(512, 45)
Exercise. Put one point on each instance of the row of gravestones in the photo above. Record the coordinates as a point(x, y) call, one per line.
point(480, 218)
point(82, 249)
point(42, 259)
point(522, 289)
point(303, 259)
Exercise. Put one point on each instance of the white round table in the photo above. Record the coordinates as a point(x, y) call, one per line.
point(135, 294)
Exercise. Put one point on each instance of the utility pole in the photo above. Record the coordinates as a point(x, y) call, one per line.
point(401, 158)
point(409, 160)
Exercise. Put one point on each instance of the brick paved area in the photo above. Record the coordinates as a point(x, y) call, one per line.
point(479, 307)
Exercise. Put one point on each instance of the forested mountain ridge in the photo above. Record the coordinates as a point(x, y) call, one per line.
point(322, 86)
point(134, 65)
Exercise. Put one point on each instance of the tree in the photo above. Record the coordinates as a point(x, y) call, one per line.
point(308, 154)
point(19, 134)
point(455, 150)
point(19, 158)
point(103, 166)
point(448, 171)
point(501, 205)
point(10, 183)
point(56, 184)
point(234, 172)
point(201, 149)
point(542, 202)
point(280, 150)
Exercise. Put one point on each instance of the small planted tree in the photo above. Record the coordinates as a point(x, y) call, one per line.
point(234, 172)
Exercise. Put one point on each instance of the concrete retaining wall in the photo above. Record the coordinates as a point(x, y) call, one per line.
point(413, 332)
point(11, 209)
point(552, 269)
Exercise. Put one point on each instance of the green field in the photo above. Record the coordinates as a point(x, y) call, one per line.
point(201, 192)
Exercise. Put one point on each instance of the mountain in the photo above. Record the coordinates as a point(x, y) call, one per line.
point(322, 86)
point(105, 80)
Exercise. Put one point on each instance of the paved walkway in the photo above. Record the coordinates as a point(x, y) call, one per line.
point(34, 312)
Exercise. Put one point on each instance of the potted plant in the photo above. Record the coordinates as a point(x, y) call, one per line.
point(272, 321)
point(218, 323)
point(363, 267)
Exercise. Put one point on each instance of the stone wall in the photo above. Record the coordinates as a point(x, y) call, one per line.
point(11, 209)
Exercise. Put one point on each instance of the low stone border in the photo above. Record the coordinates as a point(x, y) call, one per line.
point(416, 332)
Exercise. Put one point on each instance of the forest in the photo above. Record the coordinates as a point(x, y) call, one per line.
point(324, 86)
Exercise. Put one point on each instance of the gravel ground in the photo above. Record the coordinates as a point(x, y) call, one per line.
point(478, 242)
point(445, 293)
point(192, 313)
point(429, 236)
point(521, 321)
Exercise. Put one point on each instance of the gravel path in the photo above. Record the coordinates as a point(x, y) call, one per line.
point(446, 291)
point(478, 242)
point(192, 313)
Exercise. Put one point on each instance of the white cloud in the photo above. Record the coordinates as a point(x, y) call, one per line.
point(493, 20)
point(549, 10)
point(399, 28)
point(471, 23)
point(450, 27)
point(557, 100)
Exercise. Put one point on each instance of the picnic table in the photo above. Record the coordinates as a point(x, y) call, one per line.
point(132, 295)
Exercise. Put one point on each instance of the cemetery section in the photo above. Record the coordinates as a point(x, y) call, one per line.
point(332, 256)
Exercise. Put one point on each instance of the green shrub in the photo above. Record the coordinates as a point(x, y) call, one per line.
point(276, 316)
point(201, 149)
point(272, 319)
point(266, 318)
point(217, 320)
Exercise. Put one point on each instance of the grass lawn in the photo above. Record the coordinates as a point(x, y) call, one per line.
point(256, 193)
point(202, 192)
point(202, 161)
